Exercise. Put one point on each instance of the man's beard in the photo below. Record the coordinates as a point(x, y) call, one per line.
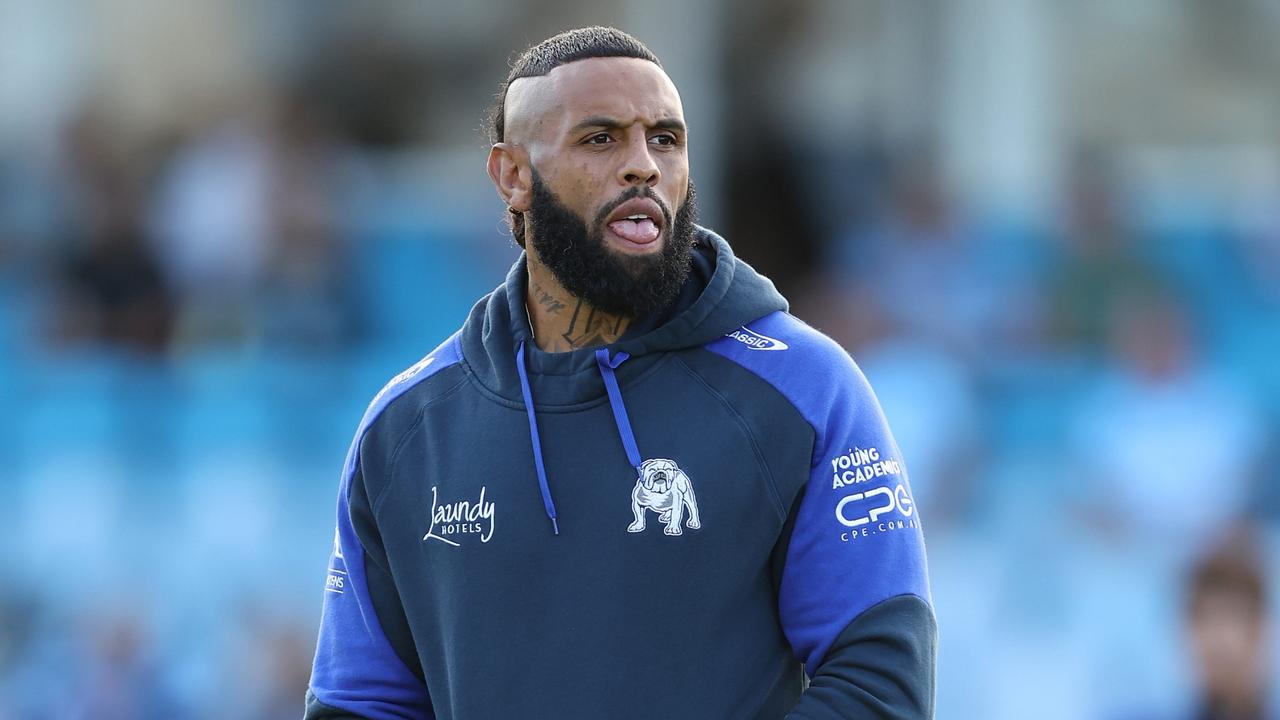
point(608, 280)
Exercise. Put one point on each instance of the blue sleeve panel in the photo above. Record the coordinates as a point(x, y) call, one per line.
point(856, 540)
point(357, 668)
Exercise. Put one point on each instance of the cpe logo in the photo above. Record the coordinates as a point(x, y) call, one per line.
point(756, 341)
point(864, 513)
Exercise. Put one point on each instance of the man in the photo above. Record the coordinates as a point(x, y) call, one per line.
point(631, 486)
point(1229, 629)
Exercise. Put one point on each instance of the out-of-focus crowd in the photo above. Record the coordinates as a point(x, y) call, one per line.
point(194, 313)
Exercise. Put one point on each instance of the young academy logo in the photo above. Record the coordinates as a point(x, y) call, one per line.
point(664, 488)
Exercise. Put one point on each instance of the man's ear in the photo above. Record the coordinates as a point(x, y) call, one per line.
point(512, 175)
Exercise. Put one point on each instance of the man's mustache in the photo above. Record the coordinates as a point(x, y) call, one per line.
point(631, 194)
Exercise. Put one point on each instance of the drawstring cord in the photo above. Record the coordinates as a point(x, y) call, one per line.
point(607, 365)
point(547, 502)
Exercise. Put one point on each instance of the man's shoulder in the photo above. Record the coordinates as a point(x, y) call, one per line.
point(414, 386)
point(781, 345)
point(810, 369)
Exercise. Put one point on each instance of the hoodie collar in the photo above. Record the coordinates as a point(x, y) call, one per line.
point(721, 294)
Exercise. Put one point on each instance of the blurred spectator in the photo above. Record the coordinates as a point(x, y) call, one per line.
point(247, 224)
point(1229, 624)
point(114, 294)
point(272, 665)
point(772, 222)
point(210, 216)
point(119, 679)
point(1100, 265)
point(112, 289)
point(375, 85)
point(919, 259)
point(1165, 447)
point(306, 302)
point(1262, 257)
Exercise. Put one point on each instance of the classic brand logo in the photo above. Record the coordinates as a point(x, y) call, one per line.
point(755, 340)
point(464, 517)
point(664, 488)
point(409, 372)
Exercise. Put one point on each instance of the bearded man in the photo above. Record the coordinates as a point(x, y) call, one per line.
point(631, 485)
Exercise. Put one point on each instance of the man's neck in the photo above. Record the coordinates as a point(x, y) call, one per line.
point(562, 322)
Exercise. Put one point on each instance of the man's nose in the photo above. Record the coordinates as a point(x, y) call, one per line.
point(638, 165)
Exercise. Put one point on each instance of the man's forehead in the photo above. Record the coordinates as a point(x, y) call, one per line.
point(613, 87)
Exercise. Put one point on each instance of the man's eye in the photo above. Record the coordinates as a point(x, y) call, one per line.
point(663, 139)
point(599, 139)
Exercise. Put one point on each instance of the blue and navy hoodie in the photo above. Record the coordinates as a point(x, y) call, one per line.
point(706, 519)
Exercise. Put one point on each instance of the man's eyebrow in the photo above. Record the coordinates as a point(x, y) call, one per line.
point(674, 124)
point(608, 123)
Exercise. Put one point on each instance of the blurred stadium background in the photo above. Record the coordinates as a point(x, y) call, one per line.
point(1049, 232)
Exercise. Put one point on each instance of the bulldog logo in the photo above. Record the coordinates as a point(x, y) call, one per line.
point(664, 488)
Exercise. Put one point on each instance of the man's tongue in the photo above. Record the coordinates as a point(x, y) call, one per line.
point(637, 231)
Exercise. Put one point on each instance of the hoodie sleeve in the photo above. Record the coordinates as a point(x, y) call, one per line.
point(853, 588)
point(365, 666)
point(854, 596)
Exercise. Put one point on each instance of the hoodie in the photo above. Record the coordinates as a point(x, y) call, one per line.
point(706, 519)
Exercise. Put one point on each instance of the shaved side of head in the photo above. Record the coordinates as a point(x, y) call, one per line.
point(541, 59)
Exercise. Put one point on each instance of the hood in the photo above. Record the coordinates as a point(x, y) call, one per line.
point(721, 294)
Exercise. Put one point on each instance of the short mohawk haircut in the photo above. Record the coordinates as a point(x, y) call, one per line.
point(568, 46)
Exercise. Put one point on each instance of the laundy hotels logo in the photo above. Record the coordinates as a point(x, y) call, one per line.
point(871, 510)
point(454, 521)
